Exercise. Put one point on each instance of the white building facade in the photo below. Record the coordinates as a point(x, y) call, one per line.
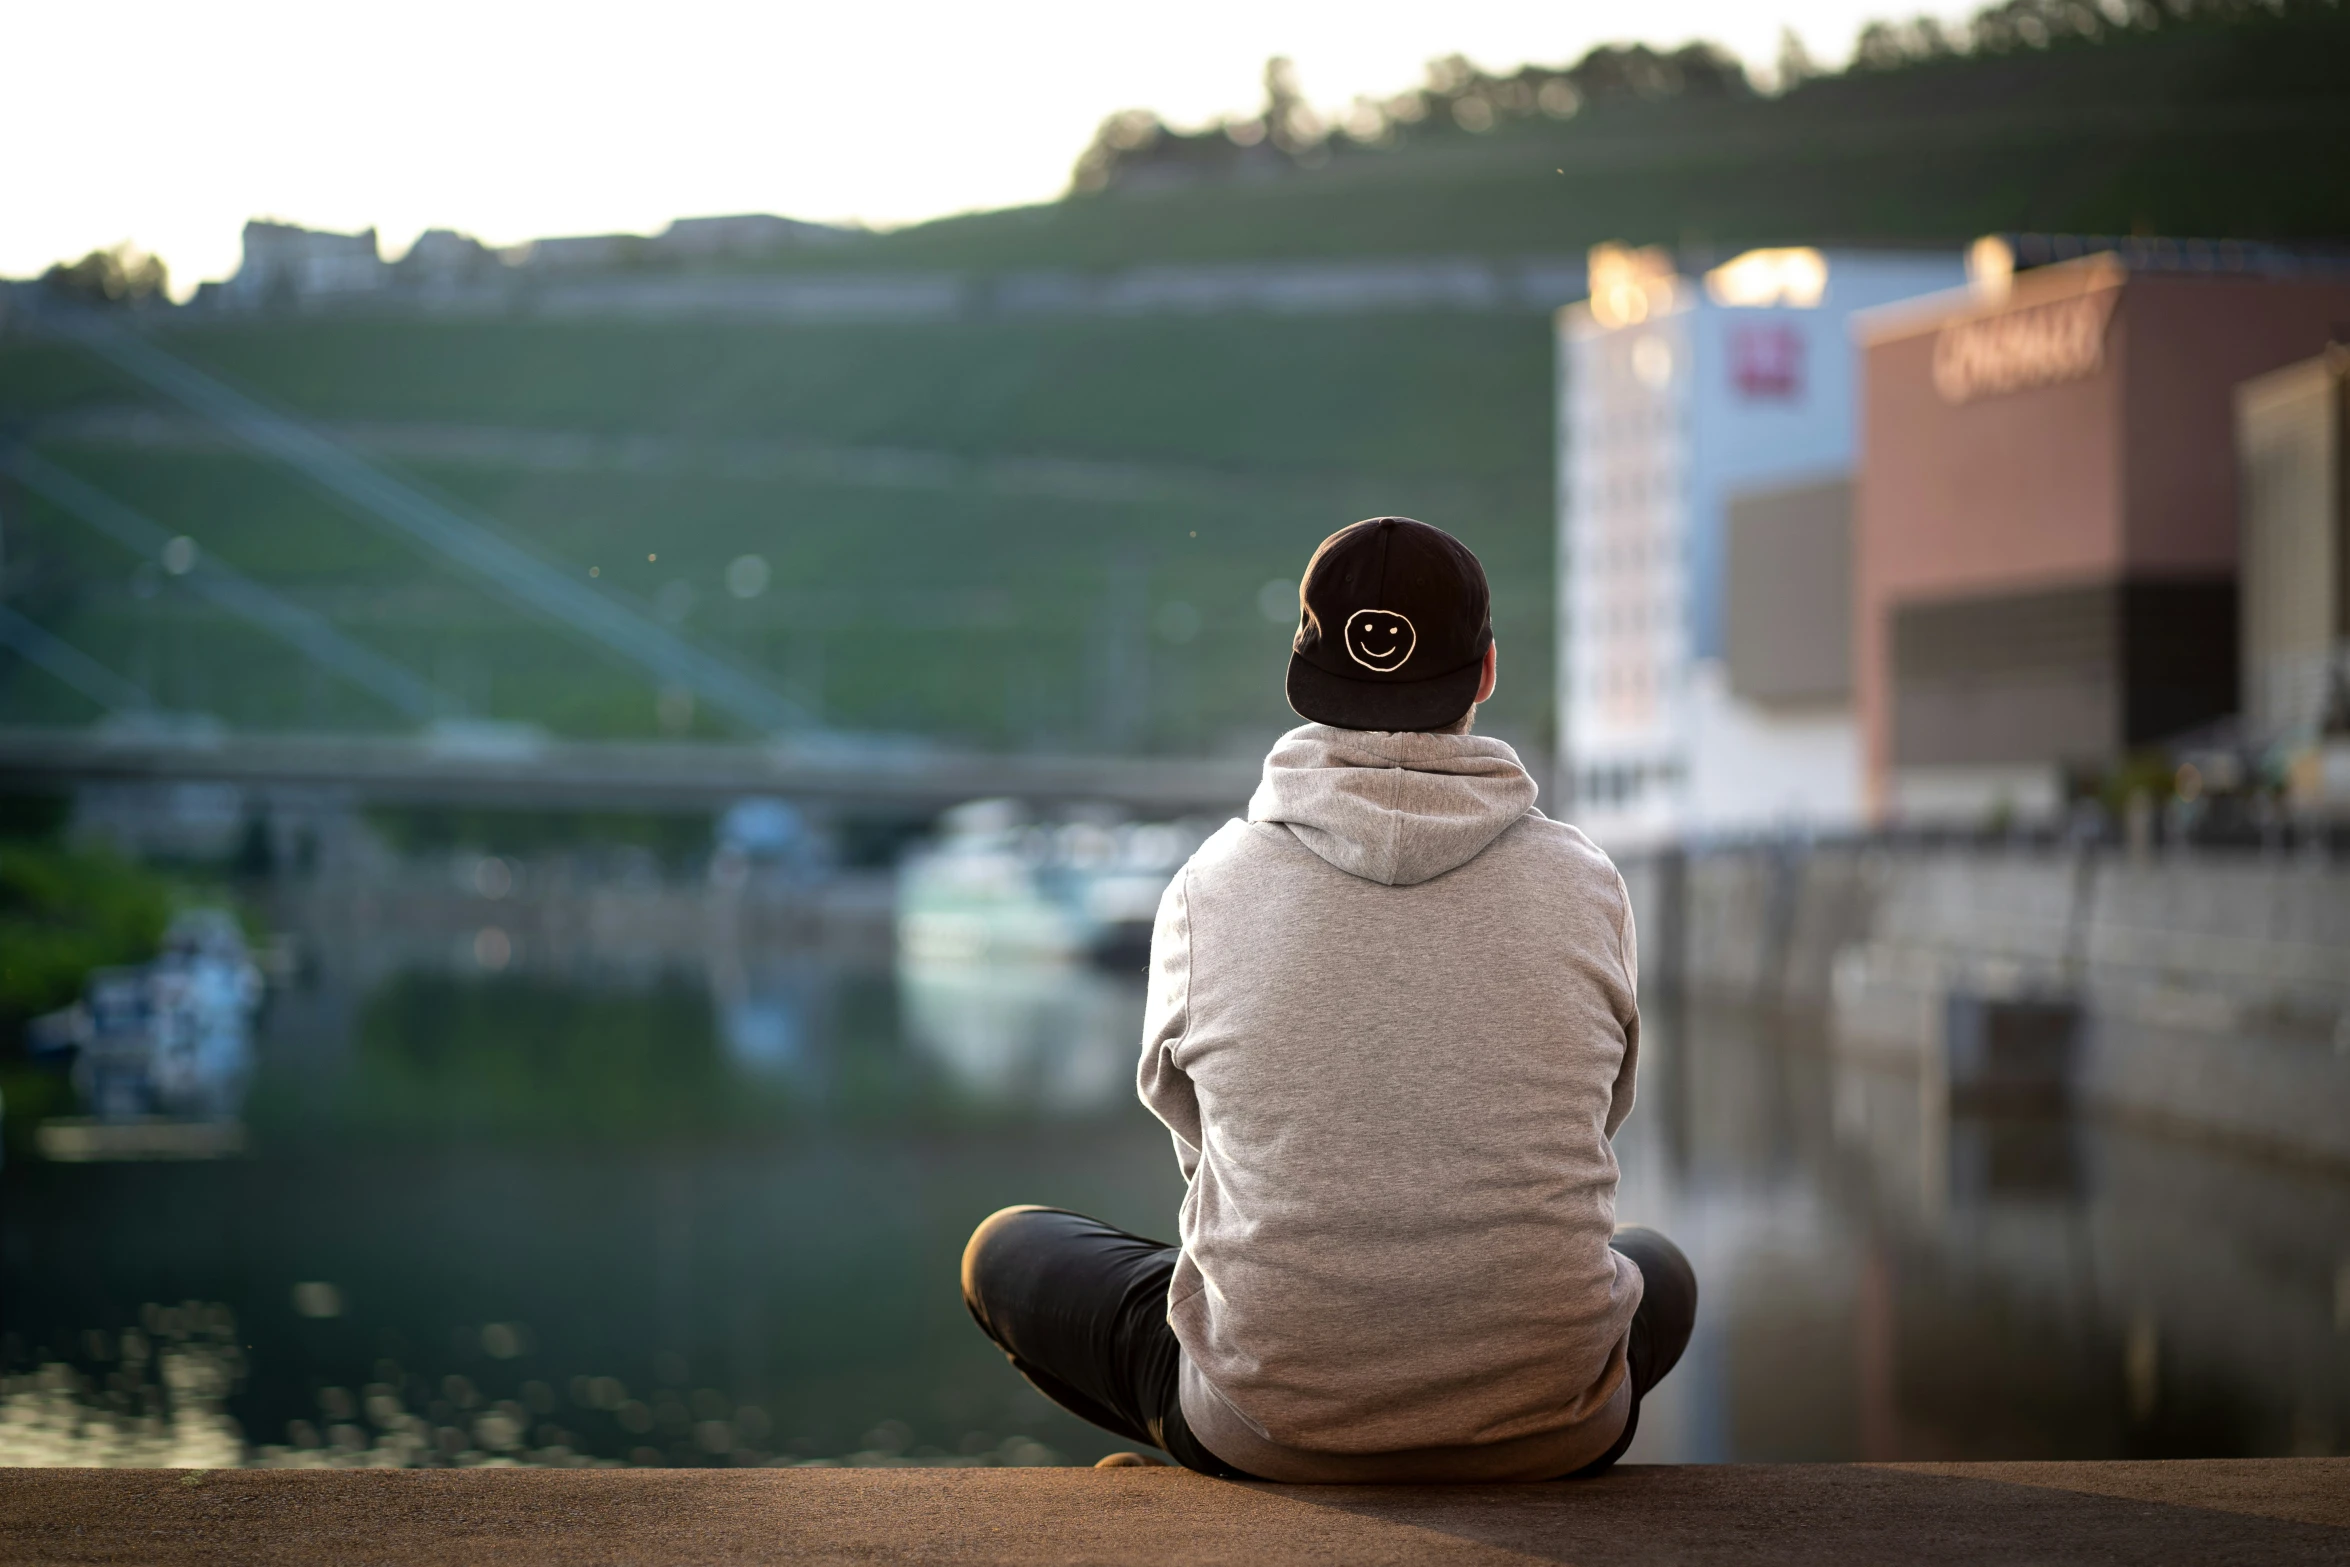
point(1675, 395)
point(286, 264)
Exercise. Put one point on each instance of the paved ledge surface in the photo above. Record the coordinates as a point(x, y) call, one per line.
point(2266, 1511)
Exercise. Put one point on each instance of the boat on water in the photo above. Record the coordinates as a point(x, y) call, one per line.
point(1021, 944)
point(998, 885)
point(160, 1051)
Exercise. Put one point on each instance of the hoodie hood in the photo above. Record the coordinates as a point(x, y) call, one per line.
point(1395, 808)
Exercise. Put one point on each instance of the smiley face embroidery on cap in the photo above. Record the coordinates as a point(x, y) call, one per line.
point(1379, 639)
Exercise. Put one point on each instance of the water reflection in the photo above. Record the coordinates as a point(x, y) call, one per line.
point(1056, 1036)
point(766, 1029)
point(1889, 1281)
point(152, 1399)
point(703, 1207)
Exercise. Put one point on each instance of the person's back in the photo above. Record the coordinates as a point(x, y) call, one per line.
point(1403, 1002)
point(1392, 1026)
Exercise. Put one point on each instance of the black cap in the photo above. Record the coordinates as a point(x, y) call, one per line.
point(1392, 632)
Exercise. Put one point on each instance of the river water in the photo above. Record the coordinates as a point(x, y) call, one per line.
point(686, 1187)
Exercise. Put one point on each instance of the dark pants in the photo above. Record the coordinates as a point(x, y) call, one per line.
point(1081, 1309)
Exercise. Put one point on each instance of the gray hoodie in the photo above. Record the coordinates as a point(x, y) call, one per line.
point(1392, 1028)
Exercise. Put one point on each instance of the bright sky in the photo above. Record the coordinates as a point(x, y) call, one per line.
point(170, 124)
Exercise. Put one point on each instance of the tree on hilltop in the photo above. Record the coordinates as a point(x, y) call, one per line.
point(1135, 150)
point(119, 275)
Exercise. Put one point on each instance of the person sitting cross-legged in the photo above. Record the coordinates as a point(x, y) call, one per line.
point(1392, 1027)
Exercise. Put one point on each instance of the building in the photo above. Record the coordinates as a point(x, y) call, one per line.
point(444, 258)
point(581, 252)
point(1677, 396)
point(2045, 520)
point(685, 239)
point(747, 234)
point(285, 264)
point(1772, 740)
point(2292, 438)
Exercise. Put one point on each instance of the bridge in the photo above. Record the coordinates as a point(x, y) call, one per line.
point(486, 766)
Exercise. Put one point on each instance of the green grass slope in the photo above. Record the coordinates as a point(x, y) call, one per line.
point(1206, 459)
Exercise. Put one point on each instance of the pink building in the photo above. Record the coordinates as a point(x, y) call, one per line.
point(2044, 530)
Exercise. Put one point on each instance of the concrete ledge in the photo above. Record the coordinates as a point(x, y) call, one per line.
point(2266, 1511)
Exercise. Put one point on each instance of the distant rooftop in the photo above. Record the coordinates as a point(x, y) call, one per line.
point(2161, 253)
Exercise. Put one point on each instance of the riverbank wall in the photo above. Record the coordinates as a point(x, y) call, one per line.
point(2209, 989)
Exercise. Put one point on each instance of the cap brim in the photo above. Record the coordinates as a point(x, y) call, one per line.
point(1316, 694)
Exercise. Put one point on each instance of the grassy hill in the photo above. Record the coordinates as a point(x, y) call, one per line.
point(1056, 532)
point(1193, 462)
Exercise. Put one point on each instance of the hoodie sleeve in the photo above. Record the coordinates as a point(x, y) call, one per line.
point(1628, 949)
point(1166, 1016)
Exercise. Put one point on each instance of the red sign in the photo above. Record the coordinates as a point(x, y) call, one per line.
point(1766, 360)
